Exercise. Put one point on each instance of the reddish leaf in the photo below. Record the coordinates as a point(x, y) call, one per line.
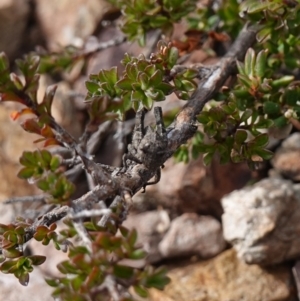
point(51, 141)
point(31, 125)
point(10, 96)
point(16, 114)
point(47, 132)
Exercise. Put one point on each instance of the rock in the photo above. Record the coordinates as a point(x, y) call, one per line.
point(225, 278)
point(191, 234)
point(193, 187)
point(13, 20)
point(151, 227)
point(262, 222)
point(75, 20)
point(286, 159)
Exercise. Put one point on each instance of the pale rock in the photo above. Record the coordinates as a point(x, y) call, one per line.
point(191, 234)
point(225, 278)
point(66, 22)
point(13, 20)
point(286, 159)
point(151, 226)
point(262, 221)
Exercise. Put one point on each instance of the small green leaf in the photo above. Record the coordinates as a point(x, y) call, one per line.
point(48, 98)
point(132, 237)
point(165, 88)
point(241, 68)
point(188, 85)
point(112, 75)
point(26, 173)
point(261, 63)
point(246, 115)
point(250, 62)
point(12, 252)
point(158, 280)
point(43, 185)
point(143, 80)
point(52, 282)
point(291, 96)
point(156, 78)
point(263, 34)
point(254, 6)
point(245, 81)
point(46, 157)
point(123, 271)
point(260, 140)
point(137, 254)
point(282, 82)
point(207, 158)
point(37, 259)
point(271, 108)
point(190, 73)
point(28, 159)
point(55, 163)
point(172, 56)
point(203, 117)
point(124, 231)
point(24, 278)
point(280, 122)
point(17, 81)
point(141, 291)
point(4, 62)
point(8, 266)
point(124, 84)
point(92, 87)
point(240, 136)
point(264, 153)
point(147, 102)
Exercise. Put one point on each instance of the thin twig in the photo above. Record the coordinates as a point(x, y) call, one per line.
point(91, 213)
point(101, 46)
point(25, 199)
point(106, 217)
point(93, 140)
point(81, 231)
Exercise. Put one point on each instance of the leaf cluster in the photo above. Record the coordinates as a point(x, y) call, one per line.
point(12, 239)
point(87, 271)
point(221, 18)
point(142, 82)
point(42, 167)
point(140, 16)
